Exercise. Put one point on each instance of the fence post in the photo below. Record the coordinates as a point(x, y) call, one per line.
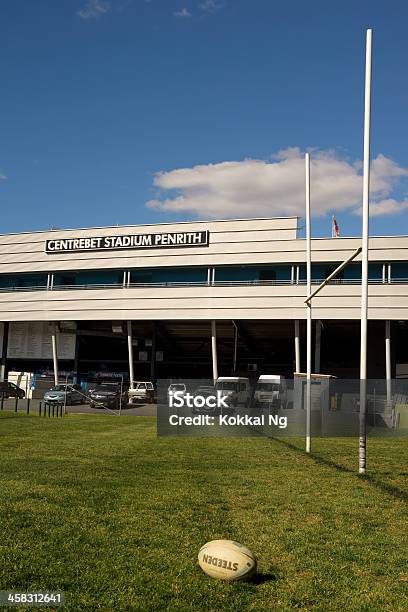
point(28, 405)
point(2, 400)
point(39, 409)
point(49, 410)
point(16, 404)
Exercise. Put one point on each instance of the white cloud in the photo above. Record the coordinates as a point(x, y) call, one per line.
point(94, 8)
point(254, 187)
point(182, 13)
point(386, 207)
point(211, 6)
point(3, 177)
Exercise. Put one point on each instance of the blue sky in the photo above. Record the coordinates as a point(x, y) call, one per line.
point(134, 111)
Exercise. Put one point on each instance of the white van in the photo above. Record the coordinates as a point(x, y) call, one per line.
point(269, 390)
point(237, 386)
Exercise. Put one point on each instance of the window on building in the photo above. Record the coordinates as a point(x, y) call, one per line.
point(329, 269)
point(169, 275)
point(253, 273)
point(64, 279)
point(88, 277)
point(352, 272)
point(267, 275)
point(375, 271)
point(302, 272)
point(399, 270)
point(236, 273)
point(20, 281)
point(318, 272)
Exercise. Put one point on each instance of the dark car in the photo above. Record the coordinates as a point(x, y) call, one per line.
point(108, 395)
point(206, 392)
point(9, 389)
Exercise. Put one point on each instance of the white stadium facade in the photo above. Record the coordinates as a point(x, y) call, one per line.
point(194, 299)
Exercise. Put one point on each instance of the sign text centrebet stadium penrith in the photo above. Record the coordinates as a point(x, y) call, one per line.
point(128, 241)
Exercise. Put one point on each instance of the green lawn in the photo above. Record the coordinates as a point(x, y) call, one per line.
point(101, 508)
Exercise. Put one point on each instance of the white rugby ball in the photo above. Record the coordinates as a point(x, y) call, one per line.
point(227, 560)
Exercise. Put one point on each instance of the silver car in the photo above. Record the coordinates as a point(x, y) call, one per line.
point(64, 394)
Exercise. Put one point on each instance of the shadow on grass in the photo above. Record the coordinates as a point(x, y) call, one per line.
point(372, 480)
point(261, 578)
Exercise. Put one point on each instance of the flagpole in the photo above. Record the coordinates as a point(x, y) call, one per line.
point(308, 304)
point(364, 261)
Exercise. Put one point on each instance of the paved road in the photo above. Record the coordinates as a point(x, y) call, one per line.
point(129, 410)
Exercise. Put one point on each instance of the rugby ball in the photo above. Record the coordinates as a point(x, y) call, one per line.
point(227, 560)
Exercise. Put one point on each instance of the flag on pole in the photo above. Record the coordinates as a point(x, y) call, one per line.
point(335, 228)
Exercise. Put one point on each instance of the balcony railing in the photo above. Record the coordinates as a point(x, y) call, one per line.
point(175, 284)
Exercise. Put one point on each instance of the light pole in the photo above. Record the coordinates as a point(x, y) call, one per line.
point(364, 264)
point(308, 305)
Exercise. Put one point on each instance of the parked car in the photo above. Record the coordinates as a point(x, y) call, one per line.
point(180, 387)
point(269, 390)
point(9, 389)
point(204, 389)
point(142, 391)
point(238, 387)
point(206, 392)
point(108, 395)
point(64, 394)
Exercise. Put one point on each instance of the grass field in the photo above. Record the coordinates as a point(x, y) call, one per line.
point(101, 508)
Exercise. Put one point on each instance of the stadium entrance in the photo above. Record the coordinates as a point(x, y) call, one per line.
point(175, 349)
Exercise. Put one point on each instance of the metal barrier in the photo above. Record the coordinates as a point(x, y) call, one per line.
point(50, 409)
point(54, 409)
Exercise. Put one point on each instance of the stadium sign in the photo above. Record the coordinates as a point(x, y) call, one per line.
point(128, 241)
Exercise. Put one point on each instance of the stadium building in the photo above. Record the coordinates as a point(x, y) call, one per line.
point(197, 299)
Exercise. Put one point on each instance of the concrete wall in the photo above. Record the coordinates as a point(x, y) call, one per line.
point(230, 241)
point(254, 241)
point(172, 303)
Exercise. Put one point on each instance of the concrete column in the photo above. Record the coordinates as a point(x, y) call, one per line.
point(130, 353)
point(54, 351)
point(153, 355)
point(76, 357)
point(214, 350)
point(4, 351)
point(388, 359)
point(297, 346)
point(234, 366)
point(317, 347)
